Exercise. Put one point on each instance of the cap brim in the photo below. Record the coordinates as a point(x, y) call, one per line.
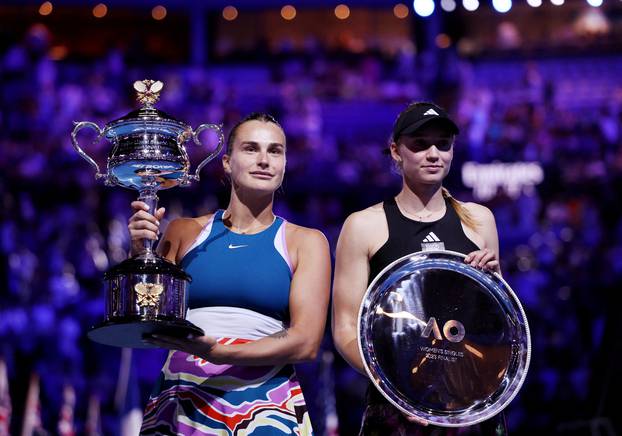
point(445, 122)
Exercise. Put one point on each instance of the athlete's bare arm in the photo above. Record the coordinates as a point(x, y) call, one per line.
point(485, 236)
point(363, 233)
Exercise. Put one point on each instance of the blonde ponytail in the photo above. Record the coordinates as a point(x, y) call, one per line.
point(462, 212)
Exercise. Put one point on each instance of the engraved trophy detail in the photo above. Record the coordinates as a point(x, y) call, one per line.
point(146, 294)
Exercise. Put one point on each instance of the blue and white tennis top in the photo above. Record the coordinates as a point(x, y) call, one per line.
point(240, 283)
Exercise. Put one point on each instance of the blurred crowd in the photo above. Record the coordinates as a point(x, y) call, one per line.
point(561, 243)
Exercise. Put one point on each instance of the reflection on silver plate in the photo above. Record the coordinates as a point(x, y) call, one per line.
point(443, 341)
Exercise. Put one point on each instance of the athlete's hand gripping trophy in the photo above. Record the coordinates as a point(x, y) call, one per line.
point(146, 294)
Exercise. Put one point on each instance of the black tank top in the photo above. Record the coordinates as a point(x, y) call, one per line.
point(408, 236)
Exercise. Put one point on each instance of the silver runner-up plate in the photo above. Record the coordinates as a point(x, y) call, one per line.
point(443, 341)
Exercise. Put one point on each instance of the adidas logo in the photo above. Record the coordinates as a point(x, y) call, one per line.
point(431, 238)
point(431, 112)
point(431, 242)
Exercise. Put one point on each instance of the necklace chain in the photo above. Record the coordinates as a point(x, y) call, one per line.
point(418, 216)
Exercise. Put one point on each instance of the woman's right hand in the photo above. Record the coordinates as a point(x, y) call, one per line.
point(143, 225)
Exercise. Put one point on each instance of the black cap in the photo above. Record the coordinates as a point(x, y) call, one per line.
point(420, 114)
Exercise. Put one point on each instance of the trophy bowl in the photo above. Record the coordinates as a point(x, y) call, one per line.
point(146, 294)
point(443, 341)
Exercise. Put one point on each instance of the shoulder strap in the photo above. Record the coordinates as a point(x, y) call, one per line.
point(274, 227)
point(211, 225)
point(451, 216)
point(393, 215)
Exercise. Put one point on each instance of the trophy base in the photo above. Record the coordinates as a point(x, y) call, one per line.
point(130, 331)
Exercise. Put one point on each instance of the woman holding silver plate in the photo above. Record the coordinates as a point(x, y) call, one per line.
point(423, 216)
point(260, 292)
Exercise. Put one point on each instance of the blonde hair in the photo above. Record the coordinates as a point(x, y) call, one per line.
point(464, 215)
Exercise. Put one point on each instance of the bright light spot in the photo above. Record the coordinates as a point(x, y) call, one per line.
point(557, 2)
point(400, 10)
point(534, 3)
point(448, 5)
point(502, 6)
point(470, 5)
point(46, 8)
point(342, 11)
point(592, 22)
point(158, 13)
point(288, 12)
point(442, 40)
point(423, 8)
point(230, 13)
point(100, 10)
point(595, 3)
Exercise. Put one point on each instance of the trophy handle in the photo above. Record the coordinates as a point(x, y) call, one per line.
point(221, 142)
point(74, 140)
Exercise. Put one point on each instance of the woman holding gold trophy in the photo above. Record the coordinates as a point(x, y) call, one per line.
point(260, 292)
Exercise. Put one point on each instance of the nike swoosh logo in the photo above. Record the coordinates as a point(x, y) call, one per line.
point(231, 246)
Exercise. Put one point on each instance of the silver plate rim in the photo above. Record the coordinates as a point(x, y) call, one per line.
point(371, 376)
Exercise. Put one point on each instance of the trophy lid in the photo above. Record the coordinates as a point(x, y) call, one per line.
point(147, 113)
point(147, 118)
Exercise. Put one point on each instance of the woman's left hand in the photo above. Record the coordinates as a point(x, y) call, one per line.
point(485, 259)
point(200, 346)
